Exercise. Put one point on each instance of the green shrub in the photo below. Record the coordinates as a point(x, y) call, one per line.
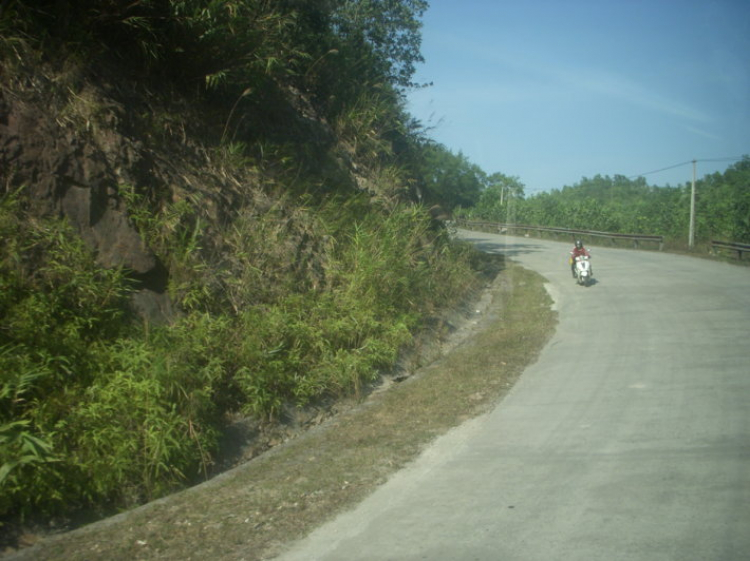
point(138, 431)
point(98, 412)
point(91, 410)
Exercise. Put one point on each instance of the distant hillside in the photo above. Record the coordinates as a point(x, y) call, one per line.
point(620, 204)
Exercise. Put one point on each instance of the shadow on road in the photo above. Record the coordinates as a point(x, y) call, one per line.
point(507, 249)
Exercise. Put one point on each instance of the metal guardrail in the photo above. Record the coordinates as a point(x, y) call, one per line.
point(740, 248)
point(636, 238)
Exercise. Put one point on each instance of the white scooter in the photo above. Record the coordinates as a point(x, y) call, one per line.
point(583, 270)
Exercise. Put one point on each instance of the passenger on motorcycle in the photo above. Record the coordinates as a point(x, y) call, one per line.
point(578, 251)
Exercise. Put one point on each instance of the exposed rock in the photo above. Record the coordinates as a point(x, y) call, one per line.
point(70, 167)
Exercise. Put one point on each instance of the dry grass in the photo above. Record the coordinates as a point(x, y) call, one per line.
point(250, 512)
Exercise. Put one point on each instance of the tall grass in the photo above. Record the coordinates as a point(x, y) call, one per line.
point(100, 411)
point(277, 303)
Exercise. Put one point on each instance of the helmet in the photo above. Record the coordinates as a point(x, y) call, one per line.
point(579, 244)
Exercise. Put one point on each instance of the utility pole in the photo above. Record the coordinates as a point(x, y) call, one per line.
point(691, 235)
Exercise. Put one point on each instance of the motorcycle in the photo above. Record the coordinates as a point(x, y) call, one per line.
point(583, 270)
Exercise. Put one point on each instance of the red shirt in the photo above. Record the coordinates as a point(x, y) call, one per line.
point(578, 252)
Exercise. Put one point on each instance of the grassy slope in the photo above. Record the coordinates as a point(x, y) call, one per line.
point(253, 510)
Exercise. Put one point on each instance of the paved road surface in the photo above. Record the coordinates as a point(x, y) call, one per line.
point(629, 439)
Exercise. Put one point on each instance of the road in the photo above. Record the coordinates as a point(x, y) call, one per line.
point(629, 438)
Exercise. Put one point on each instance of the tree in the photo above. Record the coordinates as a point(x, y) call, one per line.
point(620, 204)
point(447, 179)
point(498, 198)
point(387, 31)
point(723, 204)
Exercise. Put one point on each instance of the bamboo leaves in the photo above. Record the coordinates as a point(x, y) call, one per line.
point(20, 447)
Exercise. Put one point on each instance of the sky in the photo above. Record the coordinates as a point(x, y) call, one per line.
point(554, 91)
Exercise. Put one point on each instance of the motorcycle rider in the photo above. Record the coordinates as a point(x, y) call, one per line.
point(578, 251)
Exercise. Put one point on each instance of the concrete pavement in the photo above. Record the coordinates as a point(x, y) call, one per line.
point(629, 439)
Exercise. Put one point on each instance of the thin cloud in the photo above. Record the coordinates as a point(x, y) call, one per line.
point(703, 133)
point(630, 92)
point(559, 76)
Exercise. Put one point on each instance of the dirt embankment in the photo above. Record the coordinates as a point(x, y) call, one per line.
point(73, 146)
point(251, 512)
point(80, 142)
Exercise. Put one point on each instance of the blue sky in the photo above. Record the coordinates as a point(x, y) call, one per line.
point(552, 91)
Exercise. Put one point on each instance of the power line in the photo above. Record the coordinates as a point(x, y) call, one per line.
point(725, 159)
point(662, 169)
point(728, 159)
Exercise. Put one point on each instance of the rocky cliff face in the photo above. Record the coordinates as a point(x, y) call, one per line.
point(76, 141)
point(70, 159)
point(66, 142)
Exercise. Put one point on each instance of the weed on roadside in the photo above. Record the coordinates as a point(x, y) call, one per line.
point(252, 511)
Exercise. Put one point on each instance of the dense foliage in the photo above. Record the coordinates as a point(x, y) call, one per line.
point(619, 204)
point(447, 179)
point(97, 410)
point(311, 293)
